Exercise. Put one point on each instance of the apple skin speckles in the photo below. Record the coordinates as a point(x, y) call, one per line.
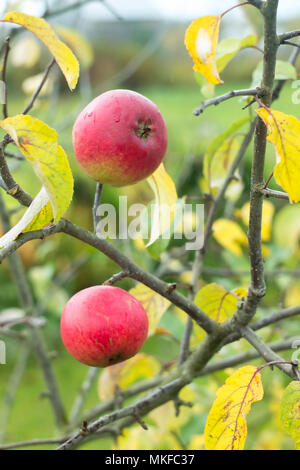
point(103, 325)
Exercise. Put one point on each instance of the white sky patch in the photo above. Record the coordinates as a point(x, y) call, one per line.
point(203, 45)
point(176, 10)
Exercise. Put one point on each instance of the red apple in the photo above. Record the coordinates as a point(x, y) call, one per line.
point(103, 325)
point(120, 138)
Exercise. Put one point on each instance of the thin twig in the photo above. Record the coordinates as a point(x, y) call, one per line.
point(33, 442)
point(39, 88)
point(266, 352)
point(11, 186)
point(276, 194)
point(242, 358)
point(6, 52)
point(13, 155)
point(140, 407)
point(289, 35)
point(116, 278)
point(227, 96)
point(79, 4)
point(288, 43)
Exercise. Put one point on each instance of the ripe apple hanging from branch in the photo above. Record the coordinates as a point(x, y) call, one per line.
point(120, 138)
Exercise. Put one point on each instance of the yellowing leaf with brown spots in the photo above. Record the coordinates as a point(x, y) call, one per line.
point(230, 235)
point(290, 412)
point(139, 367)
point(285, 136)
point(201, 40)
point(63, 55)
point(217, 302)
point(38, 143)
point(154, 304)
point(226, 427)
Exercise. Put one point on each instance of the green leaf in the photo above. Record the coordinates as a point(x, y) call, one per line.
point(290, 412)
point(228, 48)
point(215, 151)
point(216, 169)
point(284, 71)
point(226, 51)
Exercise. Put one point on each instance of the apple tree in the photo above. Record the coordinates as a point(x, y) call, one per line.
point(138, 397)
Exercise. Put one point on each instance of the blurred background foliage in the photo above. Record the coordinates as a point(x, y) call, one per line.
point(148, 56)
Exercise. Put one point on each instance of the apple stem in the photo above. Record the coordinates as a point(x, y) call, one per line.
point(143, 131)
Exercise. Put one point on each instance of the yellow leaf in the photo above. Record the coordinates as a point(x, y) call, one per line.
point(284, 135)
point(165, 203)
point(42, 219)
point(141, 366)
point(63, 55)
point(154, 304)
point(226, 427)
point(290, 412)
point(38, 142)
point(201, 39)
point(26, 52)
point(79, 44)
point(267, 218)
point(218, 303)
point(230, 235)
